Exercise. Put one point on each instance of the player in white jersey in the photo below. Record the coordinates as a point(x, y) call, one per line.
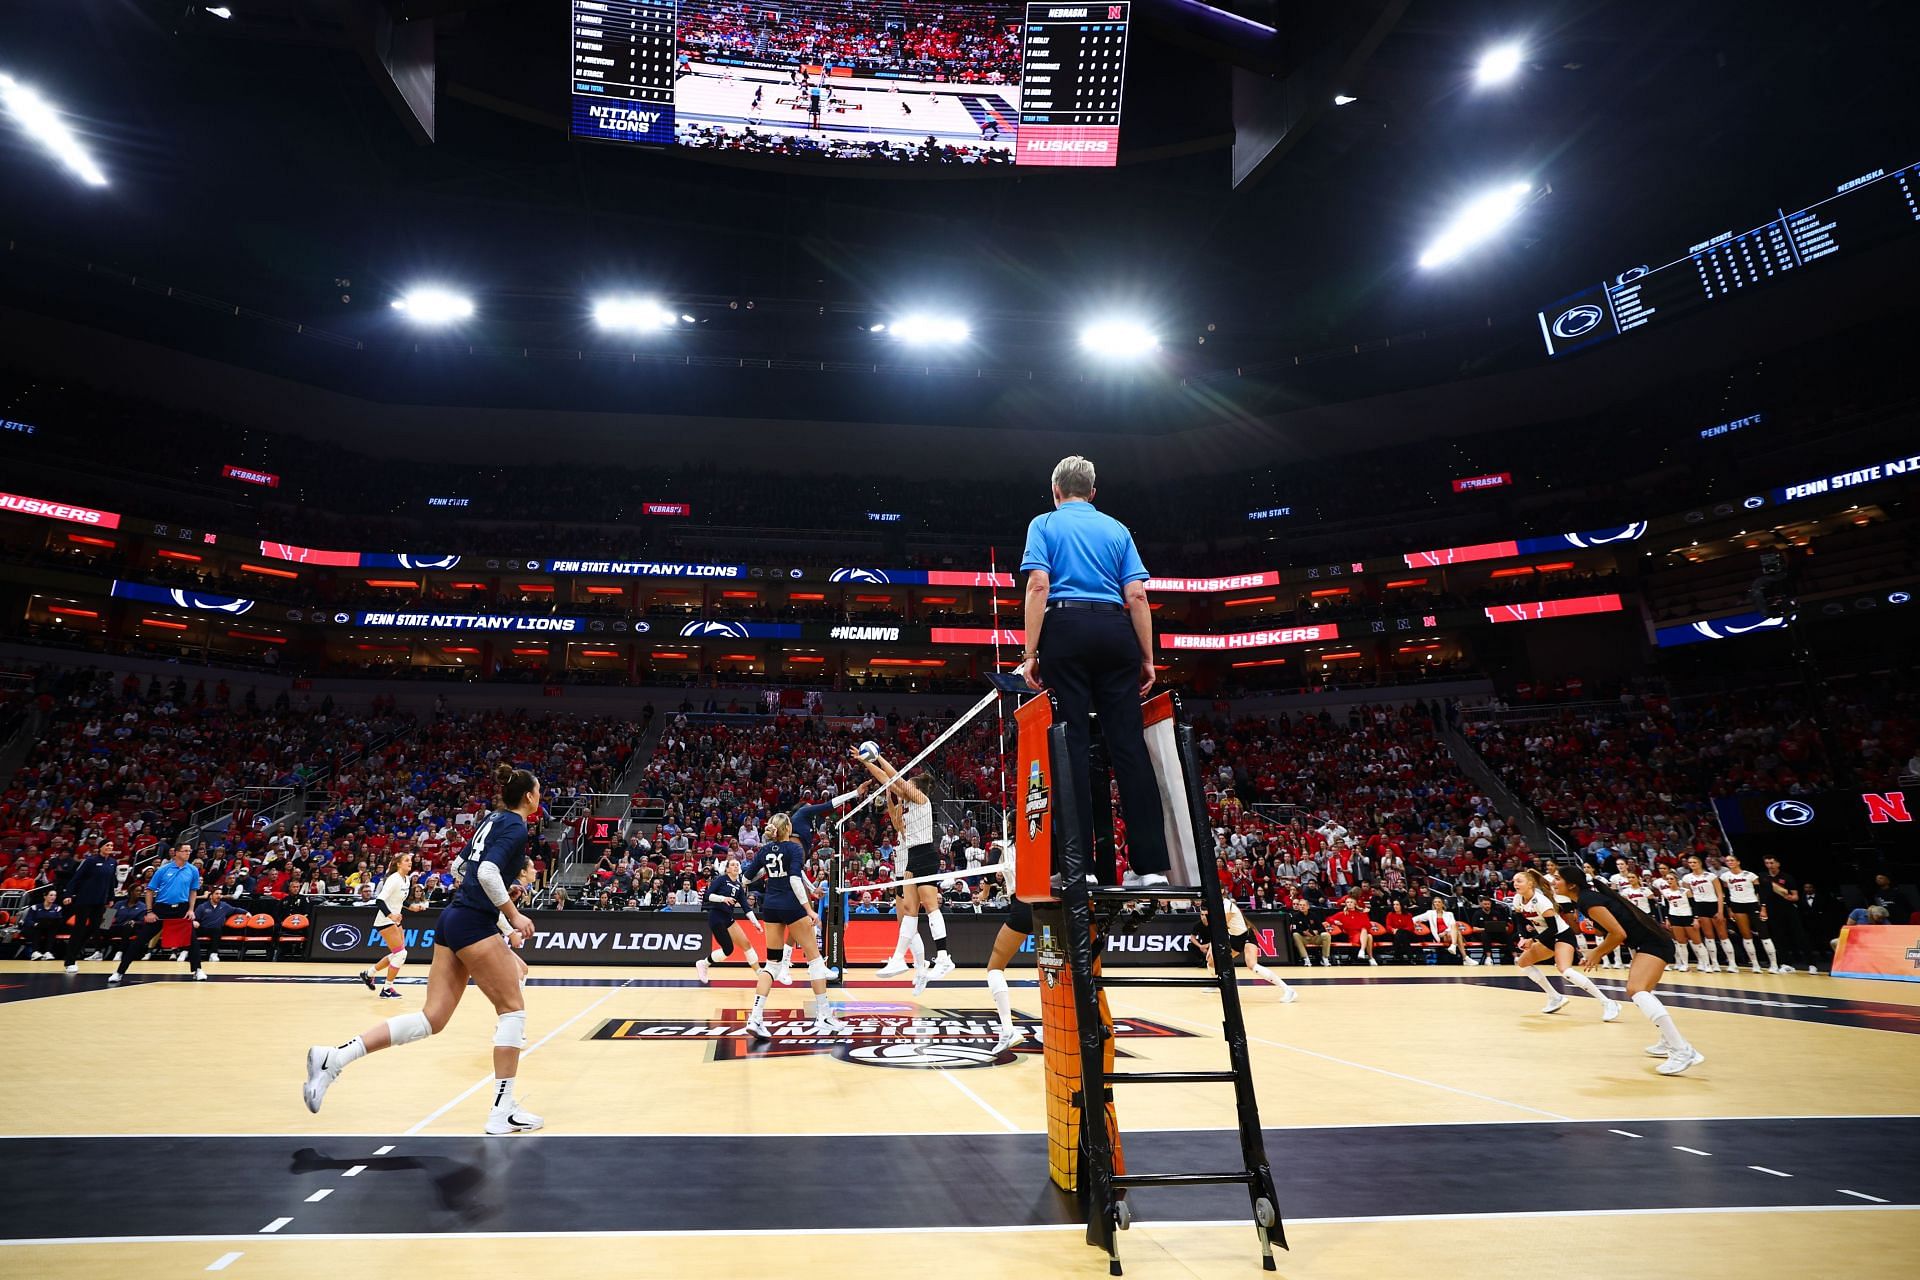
point(389, 902)
point(912, 813)
point(1706, 894)
point(1239, 942)
point(1676, 908)
point(1554, 939)
point(1749, 916)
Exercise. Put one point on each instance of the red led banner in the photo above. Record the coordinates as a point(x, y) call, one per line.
point(977, 635)
point(948, 578)
point(21, 505)
point(1497, 480)
point(666, 508)
point(1542, 609)
point(309, 555)
point(1461, 555)
point(247, 475)
point(1253, 639)
point(1233, 582)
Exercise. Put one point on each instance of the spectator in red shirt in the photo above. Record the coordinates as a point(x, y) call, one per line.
point(1357, 925)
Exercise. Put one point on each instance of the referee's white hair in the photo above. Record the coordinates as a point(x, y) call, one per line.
point(1073, 477)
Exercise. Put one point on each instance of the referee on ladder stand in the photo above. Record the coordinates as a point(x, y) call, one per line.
point(1087, 593)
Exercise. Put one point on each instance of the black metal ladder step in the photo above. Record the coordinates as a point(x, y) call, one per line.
point(1144, 980)
point(1179, 1179)
point(1170, 1077)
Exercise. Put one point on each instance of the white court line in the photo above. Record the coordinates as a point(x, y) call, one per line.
point(380, 1152)
point(355, 1172)
point(1361, 1066)
point(320, 1195)
point(1692, 1152)
point(224, 1261)
point(1238, 1224)
point(1760, 1168)
point(1623, 1133)
point(954, 1080)
point(484, 1081)
point(273, 1226)
point(1861, 1195)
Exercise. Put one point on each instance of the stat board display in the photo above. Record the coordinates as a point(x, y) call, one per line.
point(909, 82)
point(1862, 211)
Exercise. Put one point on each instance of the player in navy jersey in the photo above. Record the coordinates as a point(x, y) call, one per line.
point(726, 903)
point(1653, 951)
point(787, 907)
point(467, 944)
point(803, 820)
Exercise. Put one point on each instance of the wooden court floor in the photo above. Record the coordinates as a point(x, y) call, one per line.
point(1416, 1118)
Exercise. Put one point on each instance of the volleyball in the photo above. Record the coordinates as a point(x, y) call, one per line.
point(869, 750)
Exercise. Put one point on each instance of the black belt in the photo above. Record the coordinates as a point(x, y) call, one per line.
point(1100, 606)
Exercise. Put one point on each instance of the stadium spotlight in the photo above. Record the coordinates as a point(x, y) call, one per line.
point(925, 330)
point(1479, 221)
point(1498, 65)
point(1118, 338)
point(1342, 99)
point(219, 11)
point(433, 306)
point(43, 124)
point(633, 314)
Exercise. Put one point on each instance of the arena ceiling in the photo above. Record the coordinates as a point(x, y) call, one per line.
point(257, 164)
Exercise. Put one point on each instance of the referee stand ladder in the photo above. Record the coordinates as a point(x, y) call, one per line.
point(1072, 919)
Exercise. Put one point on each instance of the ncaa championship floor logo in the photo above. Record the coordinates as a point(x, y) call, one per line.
point(877, 1036)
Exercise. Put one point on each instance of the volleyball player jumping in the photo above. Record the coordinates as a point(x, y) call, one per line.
point(1653, 951)
point(786, 906)
point(1553, 940)
point(913, 815)
point(803, 819)
point(388, 904)
point(726, 903)
point(467, 944)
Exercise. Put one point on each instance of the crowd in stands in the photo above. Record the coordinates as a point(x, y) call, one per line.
point(777, 142)
point(930, 39)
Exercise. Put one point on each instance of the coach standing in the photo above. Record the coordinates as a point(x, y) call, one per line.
point(1090, 640)
point(87, 893)
point(170, 896)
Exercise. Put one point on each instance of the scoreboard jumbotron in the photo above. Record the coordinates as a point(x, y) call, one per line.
point(989, 83)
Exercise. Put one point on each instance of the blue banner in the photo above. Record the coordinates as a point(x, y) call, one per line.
point(640, 569)
point(1727, 628)
point(714, 630)
point(181, 598)
point(614, 120)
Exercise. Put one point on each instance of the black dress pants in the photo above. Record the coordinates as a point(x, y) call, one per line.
point(1090, 659)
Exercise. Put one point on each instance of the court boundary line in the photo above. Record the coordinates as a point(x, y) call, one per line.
point(1238, 1224)
point(484, 1081)
point(1361, 1066)
point(975, 1133)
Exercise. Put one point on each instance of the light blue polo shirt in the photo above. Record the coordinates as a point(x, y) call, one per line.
point(1088, 555)
point(173, 884)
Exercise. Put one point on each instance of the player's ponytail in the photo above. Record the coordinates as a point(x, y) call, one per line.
point(779, 827)
point(514, 785)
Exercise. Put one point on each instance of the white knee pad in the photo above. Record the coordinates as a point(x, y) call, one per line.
point(817, 969)
point(409, 1027)
point(510, 1032)
point(397, 958)
point(996, 981)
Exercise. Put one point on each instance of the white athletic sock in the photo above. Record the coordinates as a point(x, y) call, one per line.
point(503, 1093)
point(917, 948)
point(1540, 979)
point(786, 955)
point(1726, 949)
point(938, 923)
point(1649, 1004)
point(1582, 981)
point(1773, 957)
point(753, 957)
point(1702, 955)
point(759, 1007)
point(909, 928)
point(352, 1051)
point(997, 988)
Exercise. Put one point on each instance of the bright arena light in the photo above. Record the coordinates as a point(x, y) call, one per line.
point(1118, 338)
point(633, 314)
point(929, 330)
point(219, 11)
point(43, 124)
point(1478, 222)
point(1342, 99)
point(434, 306)
point(1498, 65)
